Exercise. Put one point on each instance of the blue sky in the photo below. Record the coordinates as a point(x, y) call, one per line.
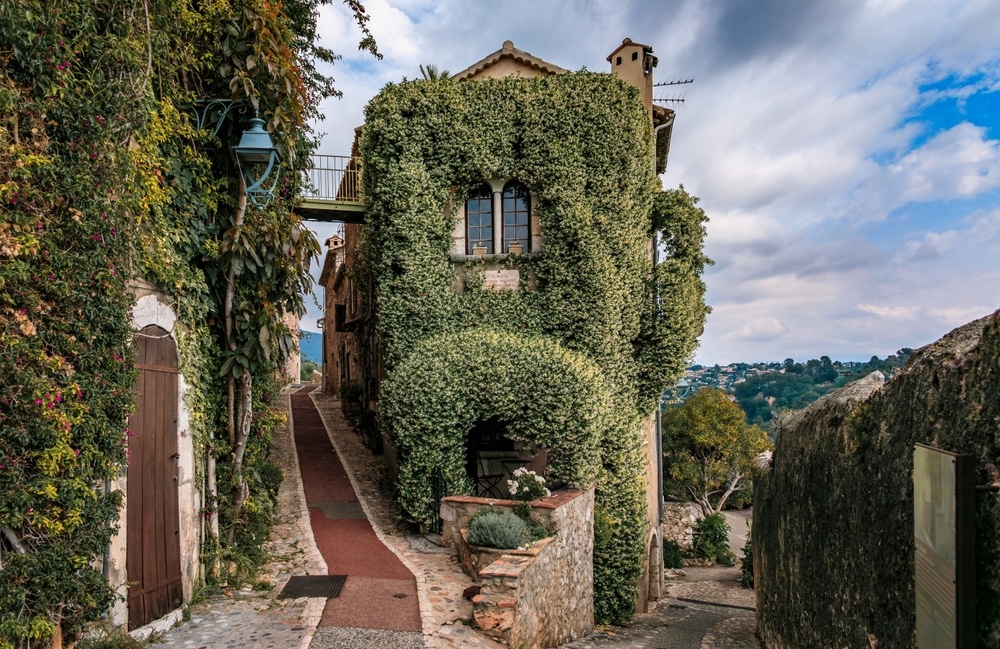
point(847, 153)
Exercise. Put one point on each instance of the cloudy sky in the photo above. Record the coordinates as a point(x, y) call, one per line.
point(846, 152)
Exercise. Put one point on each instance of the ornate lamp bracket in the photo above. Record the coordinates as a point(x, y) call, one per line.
point(208, 110)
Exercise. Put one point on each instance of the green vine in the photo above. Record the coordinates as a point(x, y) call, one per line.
point(68, 98)
point(104, 178)
point(580, 143)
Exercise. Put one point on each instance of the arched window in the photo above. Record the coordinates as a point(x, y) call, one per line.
point(516, 216)
point(479, 219)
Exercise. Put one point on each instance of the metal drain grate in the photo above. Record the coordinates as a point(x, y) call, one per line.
point(313, 586)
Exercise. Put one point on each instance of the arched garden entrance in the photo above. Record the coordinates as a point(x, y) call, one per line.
point(496, 392)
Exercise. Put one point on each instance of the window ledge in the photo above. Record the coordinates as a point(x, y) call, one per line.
point(459, 258)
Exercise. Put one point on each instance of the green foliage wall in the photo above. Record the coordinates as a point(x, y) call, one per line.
point(581, 143)
point(549, 396)
point(68, 98)
point(104, 178)
point(847, 461)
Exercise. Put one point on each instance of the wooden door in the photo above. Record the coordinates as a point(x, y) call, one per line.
point(153, 535)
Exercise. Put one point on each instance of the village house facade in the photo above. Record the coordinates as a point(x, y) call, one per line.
point(496, 220)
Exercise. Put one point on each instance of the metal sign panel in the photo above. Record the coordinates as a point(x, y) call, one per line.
point(944, 536)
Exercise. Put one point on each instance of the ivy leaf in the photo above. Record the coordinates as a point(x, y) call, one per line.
point(227, 366)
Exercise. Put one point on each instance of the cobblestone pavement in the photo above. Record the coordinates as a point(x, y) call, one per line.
point(249, 618)
point(256, 619)
point(695, 614)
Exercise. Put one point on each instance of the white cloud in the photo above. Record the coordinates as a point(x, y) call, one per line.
point(761, 329)
point(957, 163)
point(932, 246)
point(957, 316)
point(893, 312)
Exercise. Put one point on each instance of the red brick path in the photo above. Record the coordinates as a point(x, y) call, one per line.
point(380, 593)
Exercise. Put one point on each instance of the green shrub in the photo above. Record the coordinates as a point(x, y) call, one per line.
point(535, 531)
point(114, 640)
point(497, 528)
point(711, 539)
point(673, 556)
point(746, 562)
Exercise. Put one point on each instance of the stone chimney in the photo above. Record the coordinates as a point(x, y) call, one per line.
point(634, 63)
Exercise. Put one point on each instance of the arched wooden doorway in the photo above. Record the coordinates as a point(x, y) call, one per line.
point(153, 562)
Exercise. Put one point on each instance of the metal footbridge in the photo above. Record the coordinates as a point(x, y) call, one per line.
point(335, 190)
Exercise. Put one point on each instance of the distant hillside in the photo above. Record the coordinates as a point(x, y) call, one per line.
point(767, 391)
point(311, 346)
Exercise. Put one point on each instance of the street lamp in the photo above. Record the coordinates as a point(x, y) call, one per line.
point(256, 148)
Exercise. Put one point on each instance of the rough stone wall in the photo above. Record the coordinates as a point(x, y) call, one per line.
point(833, 514)
point(678, 523)
point(556, 591)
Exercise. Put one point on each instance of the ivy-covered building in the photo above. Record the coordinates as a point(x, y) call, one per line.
point(512, 306)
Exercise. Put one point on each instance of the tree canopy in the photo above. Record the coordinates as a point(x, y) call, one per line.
point(709, 449)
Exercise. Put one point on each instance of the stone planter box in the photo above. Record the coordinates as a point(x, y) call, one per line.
point(542, 596)
point(475, 558)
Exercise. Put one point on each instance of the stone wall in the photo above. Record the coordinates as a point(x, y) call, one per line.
point(833, 514)
point(542, 596)
point(678, 523)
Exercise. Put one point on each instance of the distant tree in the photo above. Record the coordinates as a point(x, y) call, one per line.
point(709, 449)
point(307, 369)
point(430, 72)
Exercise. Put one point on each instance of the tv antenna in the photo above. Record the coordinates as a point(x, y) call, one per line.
point(672, 99)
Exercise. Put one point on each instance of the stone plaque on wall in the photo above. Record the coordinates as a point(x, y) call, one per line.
point(502, 280)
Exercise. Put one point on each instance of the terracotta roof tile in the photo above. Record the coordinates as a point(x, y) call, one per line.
point(508, 51)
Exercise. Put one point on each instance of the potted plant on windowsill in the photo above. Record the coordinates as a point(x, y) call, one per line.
point(478, 250)
point(515, 249)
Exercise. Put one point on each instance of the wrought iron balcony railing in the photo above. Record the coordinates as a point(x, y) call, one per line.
point(334, 178)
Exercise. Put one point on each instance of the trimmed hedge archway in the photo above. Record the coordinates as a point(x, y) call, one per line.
point(547, 394)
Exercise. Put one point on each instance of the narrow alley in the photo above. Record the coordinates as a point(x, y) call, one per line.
point(401, 590)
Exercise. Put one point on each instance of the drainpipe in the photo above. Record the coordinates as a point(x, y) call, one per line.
point(656, 133)
point(659, 465)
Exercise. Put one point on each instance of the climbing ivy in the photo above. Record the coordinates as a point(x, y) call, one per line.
point(566, 412)
point(104, 179)
point(70, 85)
point(580, 143)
